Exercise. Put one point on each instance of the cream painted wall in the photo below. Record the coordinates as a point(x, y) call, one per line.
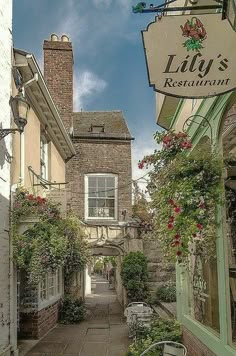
point(57, 170)
point(31, 155)
point(187, 111)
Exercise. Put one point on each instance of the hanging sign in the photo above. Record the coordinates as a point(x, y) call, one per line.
point(191, 56)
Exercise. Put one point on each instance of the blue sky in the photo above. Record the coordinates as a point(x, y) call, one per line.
point(109, 70)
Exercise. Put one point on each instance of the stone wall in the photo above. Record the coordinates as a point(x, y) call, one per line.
point(5, 151)
point(36, 324)
point(159, 273)
point(94, 156)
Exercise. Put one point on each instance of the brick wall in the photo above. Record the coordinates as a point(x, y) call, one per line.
point(195, 346)
point(35, 325)
point(58, 73)
point(103, 156)
point(5, 148)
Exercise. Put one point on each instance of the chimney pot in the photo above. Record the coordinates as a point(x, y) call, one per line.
point(54, 37)
point(65, 38)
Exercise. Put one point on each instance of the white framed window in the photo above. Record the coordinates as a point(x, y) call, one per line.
point(43, 157)
point(101, 196)
point(50, 288)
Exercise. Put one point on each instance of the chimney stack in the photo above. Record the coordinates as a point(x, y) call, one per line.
point(58, 74)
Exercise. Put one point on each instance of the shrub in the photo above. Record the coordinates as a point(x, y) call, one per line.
point(160, 330)
point(72, 311)
point(134, 276)
point(166, 293)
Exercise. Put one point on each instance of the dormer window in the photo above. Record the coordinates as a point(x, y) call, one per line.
point(97, 128)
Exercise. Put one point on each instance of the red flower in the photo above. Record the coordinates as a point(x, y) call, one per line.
point(172, 219)
point(178, 253)
point(167, 139)
point(171, 202)
point(177, 243)
point(177, 236)
point(30, 197)
point(170, 226)
point(194, 235)
point(177, 209)
point(199, 226)
point(201, 205)
point(186, 145)
point(181, 134)
point(140, 164)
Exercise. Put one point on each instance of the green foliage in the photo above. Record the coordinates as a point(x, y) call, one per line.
point(185, 189)
point(50, 243)
point(160, 330)
point(134, 276)
point(72, 311)
point(166, 293)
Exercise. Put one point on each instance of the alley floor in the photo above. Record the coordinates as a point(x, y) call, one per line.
point(104, 333)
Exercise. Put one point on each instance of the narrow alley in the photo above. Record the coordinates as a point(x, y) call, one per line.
point(104, 333)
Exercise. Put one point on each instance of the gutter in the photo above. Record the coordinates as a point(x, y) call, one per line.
point(43, 87)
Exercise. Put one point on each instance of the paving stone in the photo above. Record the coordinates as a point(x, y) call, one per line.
point(94, 349)
point(73, 348)
point(48, 347)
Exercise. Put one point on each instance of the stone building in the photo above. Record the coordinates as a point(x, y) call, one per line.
point(100, 173)
point(7, 338)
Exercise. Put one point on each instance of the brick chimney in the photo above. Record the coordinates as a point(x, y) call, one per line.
point(58, 73)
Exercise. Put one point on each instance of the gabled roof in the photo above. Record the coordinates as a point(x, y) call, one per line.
point(112, 123)
point(41, 101)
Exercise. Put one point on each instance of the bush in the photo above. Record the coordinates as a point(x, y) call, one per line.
point(72, 311)
point(166, 293)
point(160, 330)
point(134, 276)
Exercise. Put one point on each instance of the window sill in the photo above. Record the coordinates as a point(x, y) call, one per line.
point(48, 302)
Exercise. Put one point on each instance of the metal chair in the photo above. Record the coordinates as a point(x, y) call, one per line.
point(170, 348)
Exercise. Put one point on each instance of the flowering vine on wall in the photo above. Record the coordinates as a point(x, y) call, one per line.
point(50, 242)
point(185, 187)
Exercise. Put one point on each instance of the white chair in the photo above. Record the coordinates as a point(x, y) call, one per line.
point(170, 348)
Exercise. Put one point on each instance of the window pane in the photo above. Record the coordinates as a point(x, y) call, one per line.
point(92, 203)
point(111, 213)
point(204, 301)
point(92, 192)
point(111, 182)
point(92, 212)
point(110, 203)
point(101, 183)
point(101, 203)
point(110, 193)
point(92, 182)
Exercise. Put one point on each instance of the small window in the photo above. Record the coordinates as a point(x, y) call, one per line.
point(97, 128)
point(51, 286)
point(101, 196)
point(43, 157)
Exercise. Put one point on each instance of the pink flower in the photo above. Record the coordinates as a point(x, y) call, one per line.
point(140, 164)
point(177, 209)
point(199, 226)
point(170, 226)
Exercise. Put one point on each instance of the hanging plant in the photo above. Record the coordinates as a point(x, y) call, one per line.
point(185, 189)
point(50, 243)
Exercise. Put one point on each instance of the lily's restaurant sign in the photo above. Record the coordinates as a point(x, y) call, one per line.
point(191, 56)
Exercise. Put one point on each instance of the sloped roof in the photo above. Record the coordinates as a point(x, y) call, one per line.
point(114, 124)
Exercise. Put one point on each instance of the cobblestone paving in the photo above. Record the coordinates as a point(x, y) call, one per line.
point(104, 333)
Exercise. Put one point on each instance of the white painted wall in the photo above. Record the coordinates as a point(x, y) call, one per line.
point(5, 148)
point(87, 281)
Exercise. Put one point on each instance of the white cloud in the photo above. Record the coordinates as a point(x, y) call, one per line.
point(86, 85)
point(141, 148)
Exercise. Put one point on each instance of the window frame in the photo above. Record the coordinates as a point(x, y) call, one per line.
point(58, 288)
point(103, 175)
point(44, 160)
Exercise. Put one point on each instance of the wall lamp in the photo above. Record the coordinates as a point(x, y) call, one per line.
point(20, 108)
